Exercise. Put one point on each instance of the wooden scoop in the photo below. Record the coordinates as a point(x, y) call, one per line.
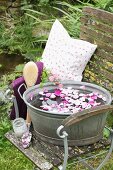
point(30, 73)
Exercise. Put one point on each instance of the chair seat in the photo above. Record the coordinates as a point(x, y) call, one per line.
point(46, 156)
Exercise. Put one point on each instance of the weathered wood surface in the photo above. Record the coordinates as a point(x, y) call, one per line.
point(31, 153)
point(79, 116)
point(97, 28)
point(45, 155)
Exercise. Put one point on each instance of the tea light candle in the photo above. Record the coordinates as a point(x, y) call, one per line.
point(19, 126)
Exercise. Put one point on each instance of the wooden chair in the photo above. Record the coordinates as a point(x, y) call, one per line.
point(96, 27)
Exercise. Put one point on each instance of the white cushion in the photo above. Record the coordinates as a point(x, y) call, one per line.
point(65, 56)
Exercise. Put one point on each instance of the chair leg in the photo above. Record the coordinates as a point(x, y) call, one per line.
point(109, 153)
point(105, 159)
point(85, 163)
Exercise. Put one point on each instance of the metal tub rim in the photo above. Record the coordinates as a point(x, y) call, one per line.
point(64, 83)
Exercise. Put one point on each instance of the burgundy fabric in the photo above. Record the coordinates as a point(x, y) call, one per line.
point(15, 85)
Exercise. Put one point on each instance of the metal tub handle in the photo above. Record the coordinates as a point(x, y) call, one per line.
point(19, 90)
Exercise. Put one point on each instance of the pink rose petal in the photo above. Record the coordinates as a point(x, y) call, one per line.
point(48, 94)
point(52, 96)
point(46, 98)
point(57, 92)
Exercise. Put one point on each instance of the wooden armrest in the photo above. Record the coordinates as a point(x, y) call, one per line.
point(77, 117)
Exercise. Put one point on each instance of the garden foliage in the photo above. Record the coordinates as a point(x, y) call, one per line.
point(26, 32)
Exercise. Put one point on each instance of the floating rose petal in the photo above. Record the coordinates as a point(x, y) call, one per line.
point(41, 93)
point(31, 96)
point(70, 107)
point(88, 106)
point(44, 103)
point(62, 95)
point(65, 91)
point(41, 98)
point(75, 96)
point(48, 94)
point(98, 103)
point(65, 102)
point(61, 104)
point(52, 96)
point(94, 97)
point(70, 91)
point(95, 104)
point(75, 110)
point(84, 105)
point(82, 99)
point(67, 98)
point(53, 105)
point(91, 103)
point(45, 108)
point(91, 94)
point(46, 98)
point(75, 92)
point(66, 110)
point(45, 90)
point(81, 94)
point(57, 92)
point(90, 99)
point(95, 93)
point(77, 102)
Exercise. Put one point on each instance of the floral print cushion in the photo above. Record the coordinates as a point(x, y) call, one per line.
point(65, 56)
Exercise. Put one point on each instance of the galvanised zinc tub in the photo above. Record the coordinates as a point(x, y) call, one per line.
point(46, 123)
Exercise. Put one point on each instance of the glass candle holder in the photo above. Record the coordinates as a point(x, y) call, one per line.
point(19, 126)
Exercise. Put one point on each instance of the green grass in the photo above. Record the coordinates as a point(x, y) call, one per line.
point(12, 159)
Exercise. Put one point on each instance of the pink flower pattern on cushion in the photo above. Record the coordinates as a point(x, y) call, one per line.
point(65, 56)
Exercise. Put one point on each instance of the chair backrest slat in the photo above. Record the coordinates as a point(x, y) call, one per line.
point(101, 15)
point(106, 41)
point(98, 25)
point(97, 28)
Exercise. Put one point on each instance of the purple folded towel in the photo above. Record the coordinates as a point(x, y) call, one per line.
point(15, 85)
